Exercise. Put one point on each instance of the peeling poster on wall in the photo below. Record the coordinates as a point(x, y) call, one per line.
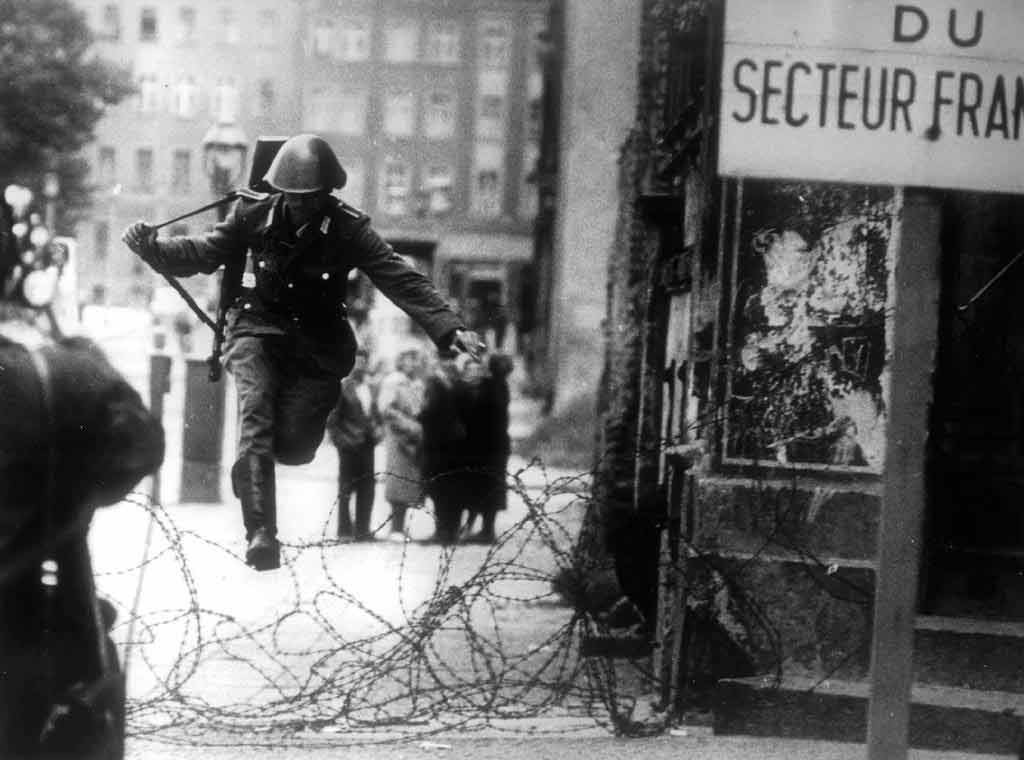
point(808, 360)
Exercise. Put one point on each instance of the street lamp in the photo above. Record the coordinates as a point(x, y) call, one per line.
point(225, 148)
point(51, 189)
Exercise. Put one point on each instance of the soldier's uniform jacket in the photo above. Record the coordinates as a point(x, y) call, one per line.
point(298, 279)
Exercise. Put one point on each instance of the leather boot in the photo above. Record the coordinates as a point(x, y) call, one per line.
point(252, 478)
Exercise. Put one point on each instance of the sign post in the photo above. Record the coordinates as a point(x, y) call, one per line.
point(914, 342)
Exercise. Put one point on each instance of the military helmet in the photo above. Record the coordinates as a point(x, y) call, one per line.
point(305, 164)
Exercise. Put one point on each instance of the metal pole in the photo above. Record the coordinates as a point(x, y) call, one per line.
point(914, 334)
point(159, 385)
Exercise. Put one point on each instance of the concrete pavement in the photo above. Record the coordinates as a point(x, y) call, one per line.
point(558, 747)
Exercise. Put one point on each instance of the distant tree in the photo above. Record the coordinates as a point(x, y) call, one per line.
point(53, 90)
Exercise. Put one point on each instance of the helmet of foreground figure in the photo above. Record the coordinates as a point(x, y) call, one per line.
point(305, 164)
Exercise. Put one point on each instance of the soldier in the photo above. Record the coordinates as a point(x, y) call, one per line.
point(287, 336)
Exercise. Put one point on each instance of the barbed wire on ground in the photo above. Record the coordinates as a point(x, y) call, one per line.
point(316, 657)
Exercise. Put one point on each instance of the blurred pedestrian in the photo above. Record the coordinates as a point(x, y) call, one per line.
point(74, 436)
point(354, 428)
point(444, 448)
point(287, 338)
point(488, 444)
point(400, 402)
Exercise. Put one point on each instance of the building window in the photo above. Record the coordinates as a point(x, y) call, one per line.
point(401, 41)
point(355, 39)
point(318, 110)
point(491, 121)
point(147, 25)
point(110, 23)
point(231, 34)
point(439, 115)
point(149, 93)
point(534, 119)
point(352, 113)
point(226, 102)
point(400, 114)
point(492, 104)
point(107, 165)
point(395, 187)
point(186, 98)
point(488, 180)
point(529, 194)
point(323, 37)
point(268, 28)
point(354, 191)
point(443, 42)
point(144, 170)
point(186, 24)
point(266, 98)
point(181, 174)
point(534, 104)
point(101, 240)
point(438, 186)
point(495, 44)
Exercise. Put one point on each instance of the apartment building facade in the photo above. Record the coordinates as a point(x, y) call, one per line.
point(434, 108)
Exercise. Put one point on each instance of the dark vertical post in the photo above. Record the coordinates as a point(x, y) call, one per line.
point(159, 386)
point(914, 336)
point(203, 436)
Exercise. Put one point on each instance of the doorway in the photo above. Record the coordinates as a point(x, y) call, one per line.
point(974, 552)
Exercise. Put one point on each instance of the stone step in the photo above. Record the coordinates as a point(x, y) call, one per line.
point(966, 653)
point(941, 718)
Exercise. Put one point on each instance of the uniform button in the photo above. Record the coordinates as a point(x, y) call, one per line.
point(326, 276)
point(291, 284)
point(247, 306)
point(263, 265)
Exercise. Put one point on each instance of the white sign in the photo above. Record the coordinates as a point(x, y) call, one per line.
point(926, 92)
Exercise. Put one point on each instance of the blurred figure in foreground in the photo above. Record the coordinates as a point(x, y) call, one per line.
point(400, 401)
point(355, 430)
point(74, 436)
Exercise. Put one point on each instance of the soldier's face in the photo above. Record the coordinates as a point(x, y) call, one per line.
point(302, 207)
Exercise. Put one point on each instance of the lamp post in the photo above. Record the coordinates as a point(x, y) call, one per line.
point(225, 149)
point(51, 189)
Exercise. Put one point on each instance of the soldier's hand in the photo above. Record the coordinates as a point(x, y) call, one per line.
point(141, 238)
point(469, 343)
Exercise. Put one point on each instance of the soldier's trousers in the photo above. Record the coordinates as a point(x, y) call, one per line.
point(284, 398)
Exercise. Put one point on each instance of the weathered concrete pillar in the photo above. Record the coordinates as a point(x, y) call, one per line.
point(598, 109)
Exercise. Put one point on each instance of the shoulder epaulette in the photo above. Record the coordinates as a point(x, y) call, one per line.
point(251, 195)
point(351, 211)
